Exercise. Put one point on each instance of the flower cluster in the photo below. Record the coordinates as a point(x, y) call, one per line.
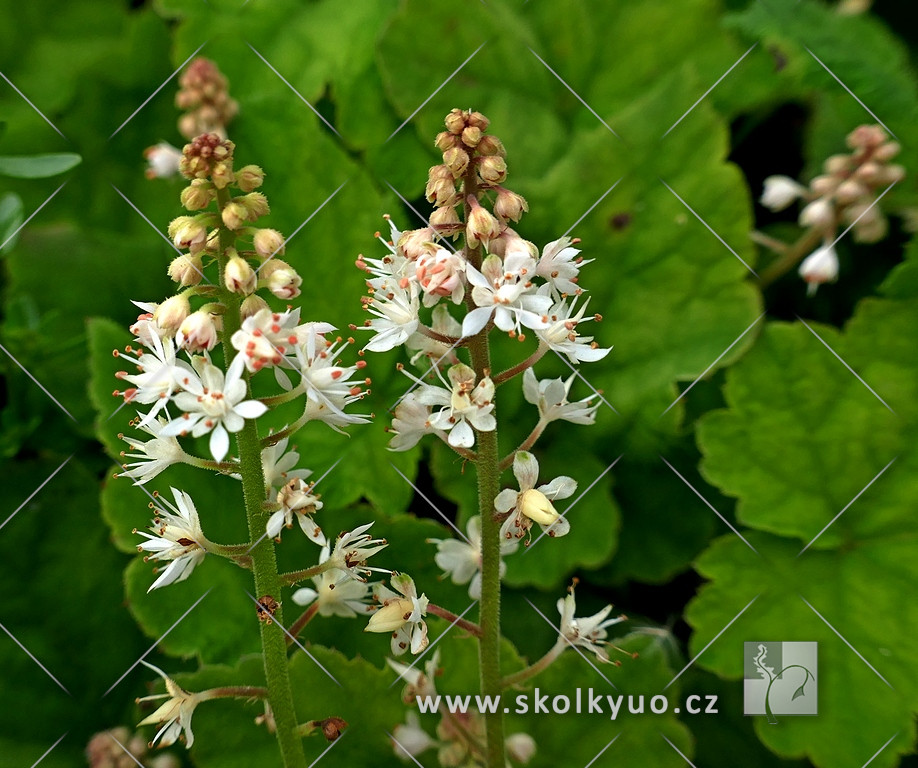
point(845, 194)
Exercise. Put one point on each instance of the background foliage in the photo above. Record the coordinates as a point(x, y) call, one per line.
point(777, 435)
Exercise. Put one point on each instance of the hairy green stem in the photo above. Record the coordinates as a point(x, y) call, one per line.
point(264, 560)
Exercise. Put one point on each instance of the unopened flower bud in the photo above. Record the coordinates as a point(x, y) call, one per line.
point(391, 616)
point(779, 192)
point(251, 306)
point(188, 232)
point(471, 135)
point(172, 312)
point(446, 140)
point(536, 506)
point(891, 173)
point(819, 213)
point(455, 121)
point(198, 332)
point(510, 206)
point(821, 266)
point(198, 195)
point(868, 173)
point(478, 120)
point(268, 242)
point(223, 175)
point(491, 145)
point(239, 277)
point(887, 151)
point(163, 160)
point(837, 164)
point(481, 227)
point(824, 185)
point(282, 279)
point(870, 229)
point(457, 160)
point(233, 215)
point(849, 191)
point(445, 216)
point(415, 242)
point(439, 173)
point(249, 177)
point(520, 747)
point(866, 137)
point(186, 270)
point(255, 204)
point(492, 169)
point(441, 192)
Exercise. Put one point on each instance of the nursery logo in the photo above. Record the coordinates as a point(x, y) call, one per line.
point(779, 679)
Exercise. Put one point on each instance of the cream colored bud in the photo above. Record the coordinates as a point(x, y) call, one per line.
point(255, 204)
point(391, 616)
point(239, 277)
point(490, 146)
point(268, 242)
point(866, 137)
point(891, 173)
point(837, 164)
point(445, 216)
point(455, 121)
point(536, 506)
point(871, 229)
point(824, 185)
point(492, 169)
point(249, 177)
point(509, 205)
point(188, 232)
point(172, 312)
point(233, 215)
point(441, 192)
point(199, 332)
point(471, 135)
point(481, 227)
point(198, 195)
point(222, 174)
point(849, 191)
point(252, 305)
point(520, 747)
point(887, 151)
point(446, 140)
point(282, 279)
point(186, 270)
point(478, 120)
point(457, 160)
point(869, 173)
point(819, 213)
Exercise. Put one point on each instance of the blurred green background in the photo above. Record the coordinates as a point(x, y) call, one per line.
point(617, 124)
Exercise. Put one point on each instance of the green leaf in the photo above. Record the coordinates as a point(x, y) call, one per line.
point(38, 166)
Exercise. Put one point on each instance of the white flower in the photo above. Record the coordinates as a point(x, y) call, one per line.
point(297, 499)
point(436, 352)
point(461, 559)
point(504, 290)
point(589, 633)
point(410, 422)
point(278, 464)
point(819, 213)
point(155, 455)
point(465, 405)
point(409, 739)
point(550, 396)
point(179, 539)
point(353, 549)
point(214, 403)
point(396, 316)
point(418, 683)
point(780, 191)
point(335, 596)
point(146, 328)
point(439, 272)
point(175, 713)
point(401, 613)
point(532, 504)
point(160, 376)
point(821, 266)
point(163, 160)
point(561, 334)
point(560, 265)
point(267, 338)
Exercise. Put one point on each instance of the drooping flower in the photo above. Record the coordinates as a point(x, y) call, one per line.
point(177, 537)
point(821, 266)
point(401, 613)
point(590, 632)
point(336, 596)
point(410, 422)
point(780, 191)
point(409, 739)
point(560, 265)
point(175, 713)
point(296, 499)
point(550, 396)
point(530, 504)
point(214, 403)
point(461, 559)
point(277, 464)
point(155, 455)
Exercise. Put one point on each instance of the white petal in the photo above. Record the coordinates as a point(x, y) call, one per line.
point(251, 409)
point(461, 436)
point(475, 320)
point(526, 469)
point(219, 443)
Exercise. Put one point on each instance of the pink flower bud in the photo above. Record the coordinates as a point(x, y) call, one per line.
point(186, 270)
point(849, 191)
point(492, 169)
point(471, 135)
point(252, 305)
point(509, 205)
point(268, 242)
point(233, 215)
point(172, 312)
point(481, 226)
point(199, 332)
point(455, 121)
point(491, 145)
point(239, 277)
point(249, 177)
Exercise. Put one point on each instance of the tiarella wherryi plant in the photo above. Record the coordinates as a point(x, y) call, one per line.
point(188, 375)
point(469, 259)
